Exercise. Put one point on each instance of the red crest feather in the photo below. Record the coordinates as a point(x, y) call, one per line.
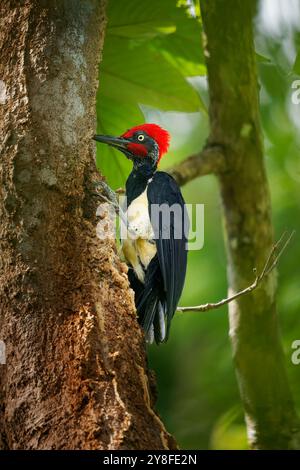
point(160, 135)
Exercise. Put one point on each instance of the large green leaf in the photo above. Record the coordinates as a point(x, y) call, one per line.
point(114, 119)
point(142, 18)
point(142, 75)
point(183, 47)
point(176, 34)
point(149, 51)
point(146, 30)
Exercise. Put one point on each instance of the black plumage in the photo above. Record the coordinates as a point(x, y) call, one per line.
point(155, 245)
point(165, 275)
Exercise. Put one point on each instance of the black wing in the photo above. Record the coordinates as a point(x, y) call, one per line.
point(171, 230)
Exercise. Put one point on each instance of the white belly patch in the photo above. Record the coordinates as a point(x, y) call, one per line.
point(138, 245)
point(138, 218)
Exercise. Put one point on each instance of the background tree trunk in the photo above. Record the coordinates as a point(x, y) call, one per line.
point(235, 127)
point(75, 375)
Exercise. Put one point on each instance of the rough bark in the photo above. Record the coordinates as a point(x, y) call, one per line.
point(75, 374)
point(235, 127)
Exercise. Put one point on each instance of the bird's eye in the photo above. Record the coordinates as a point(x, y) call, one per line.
point(141, 137)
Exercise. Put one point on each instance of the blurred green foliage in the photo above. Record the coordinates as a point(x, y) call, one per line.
point(150, 48)
point(152, 70)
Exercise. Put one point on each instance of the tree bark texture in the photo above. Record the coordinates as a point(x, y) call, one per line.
point(75, 374)
point(235, 127)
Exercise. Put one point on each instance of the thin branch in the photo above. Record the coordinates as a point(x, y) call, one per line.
point(210, 160)
point(271, 262)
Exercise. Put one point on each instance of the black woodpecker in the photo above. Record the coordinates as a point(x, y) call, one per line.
point(155, 246)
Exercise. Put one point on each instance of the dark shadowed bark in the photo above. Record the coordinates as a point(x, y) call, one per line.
point(75, 374)
point(235, 127)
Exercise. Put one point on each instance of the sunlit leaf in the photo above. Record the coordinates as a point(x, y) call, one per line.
point(114, 119)
point(142, 75)
point(141, 66)
point(183, 48)
point(141, 18)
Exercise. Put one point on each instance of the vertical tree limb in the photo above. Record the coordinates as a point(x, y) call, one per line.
point(74, 377)
point(235, 127)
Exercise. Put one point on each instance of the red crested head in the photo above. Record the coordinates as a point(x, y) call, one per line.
point(160, 136)
point(144, 144)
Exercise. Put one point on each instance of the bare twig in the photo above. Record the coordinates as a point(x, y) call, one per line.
point(271, 262)
point(210, 160)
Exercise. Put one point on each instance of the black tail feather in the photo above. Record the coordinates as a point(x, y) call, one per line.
point(150, 302)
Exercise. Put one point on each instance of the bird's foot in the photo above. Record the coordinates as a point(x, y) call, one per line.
point(103, 189)
point(104, 192)
point(109, 195)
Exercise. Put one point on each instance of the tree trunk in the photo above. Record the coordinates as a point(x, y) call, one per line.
point(235, 126)
point(75, 374)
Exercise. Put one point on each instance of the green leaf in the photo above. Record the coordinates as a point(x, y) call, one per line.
point(114, 119)
point(147, 30)
point(262, 59)
point(229, 432)
point(183, 48)
point(143, 76)
point(296, 67)
point(141, 18)
point(176, 34)
point(136, 71)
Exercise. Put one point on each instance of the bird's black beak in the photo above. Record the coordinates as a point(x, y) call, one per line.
point(117, 142)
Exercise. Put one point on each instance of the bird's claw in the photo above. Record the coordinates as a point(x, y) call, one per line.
point(106, 192)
